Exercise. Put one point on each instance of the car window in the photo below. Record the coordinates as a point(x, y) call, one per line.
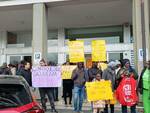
point(15, 94)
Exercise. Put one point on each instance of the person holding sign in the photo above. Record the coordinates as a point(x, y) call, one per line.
point(127, 85)
point(47, 91)
point(93, 71)
point(99, 105)
point(109, 74)
point(79, 77)
point(67, 87)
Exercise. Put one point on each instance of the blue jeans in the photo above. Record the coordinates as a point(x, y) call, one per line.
point(78, 98)
point(132, 108)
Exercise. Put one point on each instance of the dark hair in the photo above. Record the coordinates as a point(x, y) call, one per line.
point(11, 65)
point(148, 62)
point(50, 63)
point(25, 63)
point(42, 60)
point(22, 61)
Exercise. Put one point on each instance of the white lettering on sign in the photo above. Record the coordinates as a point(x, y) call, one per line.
point(127, 89)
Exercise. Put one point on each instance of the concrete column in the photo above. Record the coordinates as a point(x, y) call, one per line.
point(61, 44)
point(147, 34)
point(126, 33)
point(3, 45)
point(40, 33)
point(137, 33)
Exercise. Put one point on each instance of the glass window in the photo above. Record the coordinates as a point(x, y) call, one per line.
point(13, 95)
point(112, 34)
point(15, 59)
point(115, 56)
point(53, 57)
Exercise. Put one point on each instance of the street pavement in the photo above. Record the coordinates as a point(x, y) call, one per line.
point(71, 111)
point(61, 108)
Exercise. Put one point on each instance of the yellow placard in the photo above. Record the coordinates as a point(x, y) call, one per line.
point(98, 50)
point(99, 91)
point(103, 66)
point(66, 71)
point(76, 51)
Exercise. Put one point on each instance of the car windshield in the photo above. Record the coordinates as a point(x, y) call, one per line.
point(13, 96)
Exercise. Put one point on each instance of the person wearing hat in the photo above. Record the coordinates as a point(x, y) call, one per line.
point(109, 74)
point(128, 71)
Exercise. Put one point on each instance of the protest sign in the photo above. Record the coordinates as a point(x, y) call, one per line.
point(98, 50)
point(99, 91)
point(102, 66)
point(46, 76)
point(66, 71)
point(76, 51)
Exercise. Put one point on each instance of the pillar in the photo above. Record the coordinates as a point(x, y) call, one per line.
point(40, 33)
point(137, 34)
point(147, 34)
point(61, 44)
point(126, 33)
point(3, 45)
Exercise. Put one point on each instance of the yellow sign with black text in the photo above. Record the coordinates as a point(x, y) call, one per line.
point(100, 90)
point(66, 71)
point(76, 51)
point(98, 50)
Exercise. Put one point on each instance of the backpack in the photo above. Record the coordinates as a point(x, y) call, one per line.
point(126, 92)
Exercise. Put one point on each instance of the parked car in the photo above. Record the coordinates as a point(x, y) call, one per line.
point(16, 97)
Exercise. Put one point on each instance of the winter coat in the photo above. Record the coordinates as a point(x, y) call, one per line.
point(109, 74)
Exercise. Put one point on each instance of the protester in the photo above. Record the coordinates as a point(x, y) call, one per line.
point(55, 92)
point(109, 74)
point(26, 72)
point(117, 69)
point(93, 71)
point(47, 91)
point(140, 84)
point(118, 66)
point(127, 71)
point(20, 67)
point(146, 88)
point(12, 69)
point(79, 77)
point(98, 106)
point(67, 88)
point(4, 70)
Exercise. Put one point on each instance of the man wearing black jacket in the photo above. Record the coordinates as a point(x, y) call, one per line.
point(26, 73)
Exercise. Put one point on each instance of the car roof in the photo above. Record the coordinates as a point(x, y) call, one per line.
point(12, 79)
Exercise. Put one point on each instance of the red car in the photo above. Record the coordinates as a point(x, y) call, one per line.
point(15, 96)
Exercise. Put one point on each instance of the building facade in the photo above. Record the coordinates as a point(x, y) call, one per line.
point(45, 27)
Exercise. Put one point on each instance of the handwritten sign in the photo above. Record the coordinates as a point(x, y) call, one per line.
point(103, 66)
point(99, 91)
point(66, 71)
point(76, 51)
point(98, 50)
point(46, 76)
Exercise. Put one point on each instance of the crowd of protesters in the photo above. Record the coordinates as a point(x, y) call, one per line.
point(75, 87)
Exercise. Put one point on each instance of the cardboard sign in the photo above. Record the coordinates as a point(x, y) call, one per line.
point(76, 51)
point(99, 91)
point(99, 50)
point(46, 76)
point(66, 71)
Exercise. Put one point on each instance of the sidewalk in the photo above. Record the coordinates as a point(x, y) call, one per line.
point(87, 107)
